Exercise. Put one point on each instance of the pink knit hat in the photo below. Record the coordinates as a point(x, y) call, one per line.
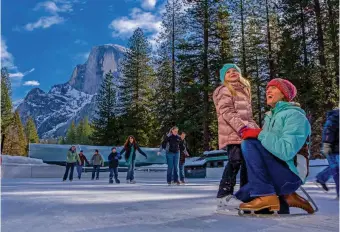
point(286, 87)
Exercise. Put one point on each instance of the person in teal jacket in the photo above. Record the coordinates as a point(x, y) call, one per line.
point(270, 153)
point(71, 159)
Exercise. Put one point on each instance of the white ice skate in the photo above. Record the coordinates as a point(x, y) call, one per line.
point(132, 182)
point(228, 203)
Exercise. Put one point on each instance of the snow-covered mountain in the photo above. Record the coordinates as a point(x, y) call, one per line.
point(53, 111)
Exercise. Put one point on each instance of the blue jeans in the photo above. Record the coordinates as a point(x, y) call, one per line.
point(172, 159)
point(131, 171)
point(113, 171)
point(181, 172)
point(79, 170)
point(331, 170)
point(96, 169)
point(267, 174)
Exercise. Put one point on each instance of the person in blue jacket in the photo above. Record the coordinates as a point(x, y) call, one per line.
point(330, 149)
point(113, 159)
point(271, 154)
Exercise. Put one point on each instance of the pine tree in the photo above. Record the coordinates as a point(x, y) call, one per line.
point(61, 140)
point(105, 122)
point(15, 142)
point(71, 135)
point(163, 106)
point(6, 105)
point(80, 132)
point(137, 90)
point(206, 48)
point(31, 131)
point(87, 132)
point(169, 39)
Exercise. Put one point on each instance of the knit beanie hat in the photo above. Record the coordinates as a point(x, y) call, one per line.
point(286, 87)
point(225, 68)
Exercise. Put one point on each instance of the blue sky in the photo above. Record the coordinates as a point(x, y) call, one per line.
point(42, 41)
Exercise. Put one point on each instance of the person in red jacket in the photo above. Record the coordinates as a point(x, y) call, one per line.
point(83, 159)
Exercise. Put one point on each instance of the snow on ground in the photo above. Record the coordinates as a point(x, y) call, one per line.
point(150, 205)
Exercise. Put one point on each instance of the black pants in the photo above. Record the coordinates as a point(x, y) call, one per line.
point(96, 169)
point(68, 166)
point(235, 163)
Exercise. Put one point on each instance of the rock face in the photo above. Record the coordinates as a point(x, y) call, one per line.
point(54, 111)
point(88, 77)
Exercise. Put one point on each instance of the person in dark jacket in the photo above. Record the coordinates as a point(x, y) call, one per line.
point(113, 159)
point(171, 144)
point(183, 154)
point(130, 148)
point(330, 149)
point(97, 161)
point(83, 159)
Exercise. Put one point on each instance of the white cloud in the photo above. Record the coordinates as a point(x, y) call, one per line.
point(124, 26)
point(55, 8)
point(20, 75)
point(52, 7)
point(7, 59)
point(31, 83)
point(45, 22)
point(148, 4)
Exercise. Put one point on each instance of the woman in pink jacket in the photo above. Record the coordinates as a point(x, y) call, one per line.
point(233, 105)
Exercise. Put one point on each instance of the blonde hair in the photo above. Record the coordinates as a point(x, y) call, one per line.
point(243, 81)
point(173, 128)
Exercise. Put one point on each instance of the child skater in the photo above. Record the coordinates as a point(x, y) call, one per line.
point(232, 100)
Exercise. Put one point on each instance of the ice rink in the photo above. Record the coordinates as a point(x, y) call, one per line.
point(150, 205)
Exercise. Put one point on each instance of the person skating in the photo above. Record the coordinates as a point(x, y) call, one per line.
point(83, 159)
point(330, 149)
point(232, 101)
point(183, 154)
point(271, 154)
point(113, 159)
point(130, 148)
point(97, 162)
point(171, 143)
point(71, 159)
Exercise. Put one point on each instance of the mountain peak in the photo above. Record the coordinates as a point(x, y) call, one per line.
point(88, 76)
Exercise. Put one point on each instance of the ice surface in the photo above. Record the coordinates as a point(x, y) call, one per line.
point(150, 205)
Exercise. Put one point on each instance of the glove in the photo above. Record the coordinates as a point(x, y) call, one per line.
point(250, 133)
point(242, 130)
point(326, 149)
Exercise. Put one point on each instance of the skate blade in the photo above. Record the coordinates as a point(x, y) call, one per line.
point(248, 213)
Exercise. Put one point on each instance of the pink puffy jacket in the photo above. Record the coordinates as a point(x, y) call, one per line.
point(233, 113)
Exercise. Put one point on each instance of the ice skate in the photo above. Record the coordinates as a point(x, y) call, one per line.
point(169, 183)
point(294, 200)
point(117, 181)
point(271, 203)
point(227, 203)
point(110, 181)
point(322, 186)
point(128, 181)
point(132, 182)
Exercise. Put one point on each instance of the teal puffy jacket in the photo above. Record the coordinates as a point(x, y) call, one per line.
point(285, 131)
